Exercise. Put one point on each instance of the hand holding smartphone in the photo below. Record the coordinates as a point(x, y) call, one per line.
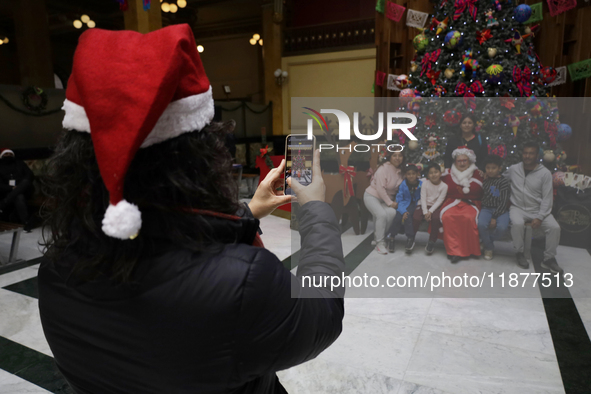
point(299, 160)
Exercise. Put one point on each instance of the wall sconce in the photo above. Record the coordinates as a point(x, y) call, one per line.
point(280, 76)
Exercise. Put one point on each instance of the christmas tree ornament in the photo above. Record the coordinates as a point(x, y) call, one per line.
point(469, 63)
point(402, 81)
point(497, 4)
point(551, 128)
point(561, 155)
point(414, 106)
point(448, 73)
point(549, 156)
point(452, 117)
point(564, 132)
point(517, 40)
point(558, 179)
point(463, 5)
point(433, 76)
point(490, 20)
point(500, 150)
point(548, 74)
point(483, 36)
point(439, 91)
point(521, 78)
point(514, 122)
point(430, 121)
point(412, 144)
point(522, 13)
point(419, 166)
point(432, 141)
point(420, 42)
point(479, 125)
point(469, 93)
point(413, 66)
point(405, 95)
point(495, 74)
point(507, 103)
point(441, 26)
point(492, 52)
point(453, 39)
point(428, 60)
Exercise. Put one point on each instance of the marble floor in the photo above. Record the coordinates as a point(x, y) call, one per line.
point(422, 345)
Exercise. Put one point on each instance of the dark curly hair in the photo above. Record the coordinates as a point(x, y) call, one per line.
point(192, 171)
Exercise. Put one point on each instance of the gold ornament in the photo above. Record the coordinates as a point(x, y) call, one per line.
point(492, 52)
point(413, 66)
point(449, 72)
point(549, 156)
point(412, 144)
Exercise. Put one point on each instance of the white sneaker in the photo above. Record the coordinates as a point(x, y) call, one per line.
point(381, 248)
point(373, 243)
point(488, 254)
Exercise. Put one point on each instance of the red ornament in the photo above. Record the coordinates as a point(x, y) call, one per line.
point(430, 121)
point(548, 74)
point(440, 91)
point(452, 117)
point(433, 76)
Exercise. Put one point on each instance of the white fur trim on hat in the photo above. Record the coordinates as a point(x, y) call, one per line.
point(5, 151)
point(182, 116)
point(464, 151)
point(122, 221)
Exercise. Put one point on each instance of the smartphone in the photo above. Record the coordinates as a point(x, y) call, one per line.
point(299, 156)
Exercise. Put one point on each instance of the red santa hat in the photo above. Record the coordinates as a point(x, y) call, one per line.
point(130, 91)
point(4, 152)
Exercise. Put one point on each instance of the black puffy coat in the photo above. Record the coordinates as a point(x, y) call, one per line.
point(196, 324)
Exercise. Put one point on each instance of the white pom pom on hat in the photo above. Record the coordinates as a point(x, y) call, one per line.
point(466, 190)
point(161, 93)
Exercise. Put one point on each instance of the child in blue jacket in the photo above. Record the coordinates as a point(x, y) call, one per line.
point(409, 194)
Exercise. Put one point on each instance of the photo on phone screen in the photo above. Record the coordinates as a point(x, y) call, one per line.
point(299, 154)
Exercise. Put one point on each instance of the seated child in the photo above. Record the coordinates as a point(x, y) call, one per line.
point(409, 194)
point(493, 220)
point(433, 192)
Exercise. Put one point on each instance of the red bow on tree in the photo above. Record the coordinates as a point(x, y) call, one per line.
point(348, 173)
point(483, 35)
point(432, 75)
point(500, 151)
point(428, 59)
point(551, 130)
point(462, 5)
point(521, 79)
point(468, 92)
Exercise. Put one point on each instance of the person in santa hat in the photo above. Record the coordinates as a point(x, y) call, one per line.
point(459, 212)
point(16, 186)
point(155, 279)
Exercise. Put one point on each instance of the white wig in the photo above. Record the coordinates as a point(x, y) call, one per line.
point(463, 150)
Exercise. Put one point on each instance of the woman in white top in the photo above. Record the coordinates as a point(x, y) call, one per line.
point(380, 196)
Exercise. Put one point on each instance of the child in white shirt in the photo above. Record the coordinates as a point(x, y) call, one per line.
point(433, 193)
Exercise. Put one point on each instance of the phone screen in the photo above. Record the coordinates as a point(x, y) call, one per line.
point(299, 154)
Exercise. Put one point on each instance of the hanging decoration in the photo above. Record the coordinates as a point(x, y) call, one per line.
point(469, 63)
point(439, 91)
point(413, 145)
point(549, 156)
point(469, 92)
point(495, 73)
point(500, 150)
point(381, 6)
point(147, 4)
point(559, 6)
point(402, 81)
point(433, 76)
point(507, 102)
point(580, 70)
point(348, 175)
point(453, 39)
point(537, 14)
point(430, 121)
point(548, 74)
point(462, 5)
point(492, 52)
point(490, 20)
point(517, 40)
point(380, 76)
point(514, 122)
point(432, 140)
point(394, 11)
point(521, 79)
point(441, 26)
point(522, 13)
point(428, 60)
point(449, 72)
point(420, 42)
point(483, 35)
point(416, 18)
point(413, 66)
point(479, 125)
point(392, 82)
point(560, 76)
point(564, 132)
point(406, 94)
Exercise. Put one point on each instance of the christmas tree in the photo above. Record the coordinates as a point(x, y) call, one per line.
point(477, 57)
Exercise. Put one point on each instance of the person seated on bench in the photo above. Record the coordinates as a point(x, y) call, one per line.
point(493, 220)
point(433, 194)
point(16, 185)
point(531, 203)
point(462, 205)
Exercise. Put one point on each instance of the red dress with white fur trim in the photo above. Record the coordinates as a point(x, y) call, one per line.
point(459, 216)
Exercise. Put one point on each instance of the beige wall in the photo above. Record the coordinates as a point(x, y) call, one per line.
point(334, 74)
